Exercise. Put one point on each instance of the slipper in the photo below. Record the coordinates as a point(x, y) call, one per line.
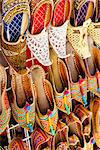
point(15, 19)
point(77, 76)
point(60, 140)
point(37, 37)
point(84, 9)
point(47, 115)
point(78, 38)
point(23, 102)
point(95, 109)
point(40, 140)
point(94, 33)
point(92, 65)
point(58, 27)
point(17, 144)
point(59, 78)
point(4, 103)
point(75, 127)
point(15, 53)
point(85, 117)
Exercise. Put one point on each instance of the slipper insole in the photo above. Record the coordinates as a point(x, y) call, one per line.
point(41, 18)
point(61, 14)
point(20, 93)
point(55, 71)
point(0, 98)
point(91, 66)
point(96, 54)
point(71, 64)
point(41, 96)
point(90, 11)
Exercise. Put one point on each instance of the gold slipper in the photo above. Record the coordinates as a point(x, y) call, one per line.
point(60, 81)
point(46, 115)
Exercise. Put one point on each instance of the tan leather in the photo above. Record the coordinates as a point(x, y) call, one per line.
point(75, 127)
point(58, 76)
point(90, 10)
point(61, 137)
point(23, 95)
point(85, 117)
point(44, 95)
point(55, 71)
point(95, 109)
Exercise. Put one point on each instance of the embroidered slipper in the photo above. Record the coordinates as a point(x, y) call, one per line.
point(23, 103)
point(15, 53)
point(84, 9)
point(60, 140)
point(93, 71)
point(85, 117)
point(15, 19)
point(60, 81)
point(77, 75)
point(4, 103)
point(47, 115)
point(94, 33)
point(17, 144)
point(75, 127)
point(58, 28)
point(95, 109)
point(37, 38)
point(40, 140)
point(78, 38)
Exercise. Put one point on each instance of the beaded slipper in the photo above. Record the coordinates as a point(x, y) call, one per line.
point(23, 103)
point(78, 79)
point(60, 140)
point(61, 85)
point(47, 115)
point(85, 117)
point(4, 103)
point(93, 71)
point(95, 109)
point(84, 9)
point(58, 28)
point(15, 19)
point(17, 144)
point(37, 38)
point(15, 53)
point(75, 127)
point(40, 140)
